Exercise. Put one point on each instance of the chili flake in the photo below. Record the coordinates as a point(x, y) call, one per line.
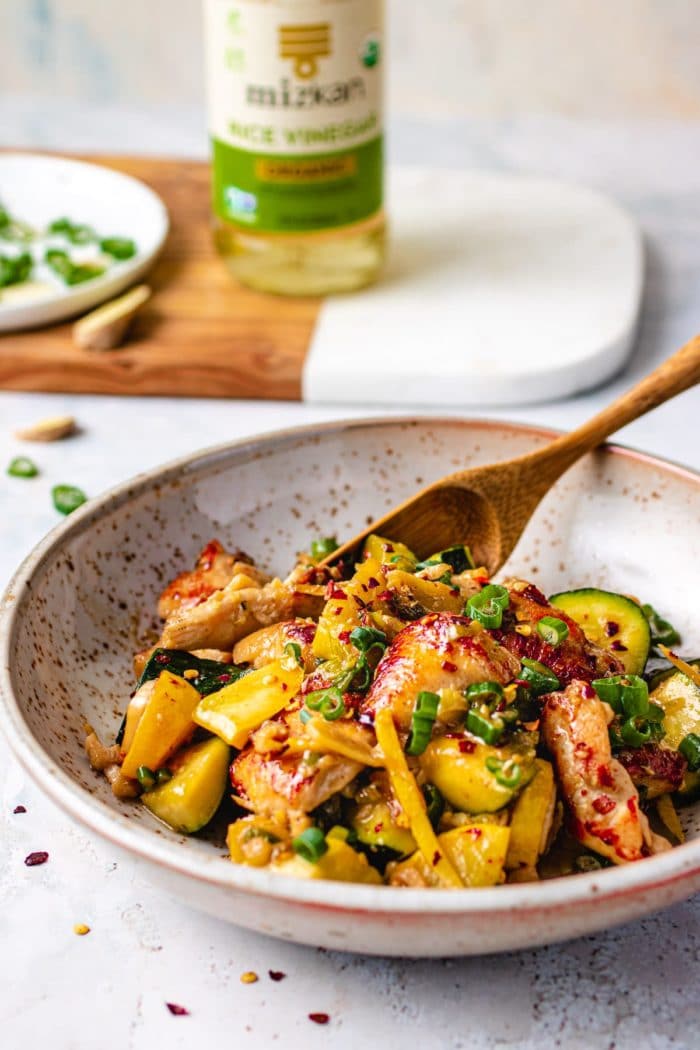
point(177, 1010)
point(39, 857)
point(319, 1018)
point(277, 975)
point(19, 809)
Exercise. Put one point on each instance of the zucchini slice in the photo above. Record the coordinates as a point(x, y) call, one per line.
point(680, 699)
point(612, 621)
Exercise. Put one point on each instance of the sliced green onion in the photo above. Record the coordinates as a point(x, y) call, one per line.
point(608, 689)
point(507, 772)
point(310, 845)
point(662, 632)
point(163, 776)
point(15, 269)
point(655, 713)
point(488, 729)
point(76, 232)
point(328, 702)
point(349, 681)
point(552, 630)
point(67, 498)
point(689, 747)
point(367, 638)
point(422, 720)
point(293, 651)
point(435, 803)
point(22, 467)
point(146, 777)
point(538, 677)
point(487, 606)
point(322, 547)
point(635, 731)
point(118, 247)
point(627, 694)
point(489, 693)
point(70, 272)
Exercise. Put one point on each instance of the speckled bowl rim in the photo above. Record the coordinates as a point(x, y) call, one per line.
point(651, 874)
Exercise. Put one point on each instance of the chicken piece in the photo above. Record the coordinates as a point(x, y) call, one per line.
point(575, 658)
point(439, 651)
point(286, 783)
point(215, 568)
point(656, 769)
point(241, 607)
point(598, 790)
point(267, 644)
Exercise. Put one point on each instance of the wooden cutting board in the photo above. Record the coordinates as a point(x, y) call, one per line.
point(201, 334)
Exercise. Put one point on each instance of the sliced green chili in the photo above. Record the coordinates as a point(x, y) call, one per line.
point(328, 702)
point(310, 844)
point(422, 721)
point(488, 728)
point(118, 247)
point(506, 771)
point(538, 677)
point(67, 498)
point(22, 467)
point(635, 731)
point(552, 630)
point(293, 651)
point(662, 632)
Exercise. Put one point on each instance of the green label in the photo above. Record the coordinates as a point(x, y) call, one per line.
point(282, 192)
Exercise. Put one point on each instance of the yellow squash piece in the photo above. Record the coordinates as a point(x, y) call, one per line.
point(679, 695)
point(431, 594)
point(235, 711)
point(164, 726)
point(476, 851)
point(532, 818)
point(411, 800)
point(375, 826)
point(189, 800)
point(340, 863)
point(464, 778)
point(342, 613)
point(388, 552)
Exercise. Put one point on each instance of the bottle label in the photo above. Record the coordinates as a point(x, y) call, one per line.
point(295, 96)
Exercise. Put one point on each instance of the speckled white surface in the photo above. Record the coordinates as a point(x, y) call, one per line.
point(630, 988)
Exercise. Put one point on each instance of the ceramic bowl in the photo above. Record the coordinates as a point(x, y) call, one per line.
point(78, 607)
point(39, 189)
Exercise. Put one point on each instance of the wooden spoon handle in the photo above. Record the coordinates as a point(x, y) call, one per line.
point(673, 376)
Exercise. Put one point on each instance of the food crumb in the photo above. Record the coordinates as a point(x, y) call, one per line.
point(249, 977)
point(277, 975)
point(191, 673)
point(319, 1018)
point(20, 809)
point(177, 1010)
point(81, 929)
point(39, 857)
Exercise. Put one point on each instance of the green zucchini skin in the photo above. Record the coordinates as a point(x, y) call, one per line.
point(612, 621)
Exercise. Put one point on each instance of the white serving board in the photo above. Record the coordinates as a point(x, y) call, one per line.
point(500, 289)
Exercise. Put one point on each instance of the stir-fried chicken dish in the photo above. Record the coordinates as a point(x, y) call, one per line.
point(407, 722)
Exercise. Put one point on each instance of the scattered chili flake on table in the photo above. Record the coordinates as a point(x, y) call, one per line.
point(81, 929)
point(179, 1011)
point(277, 975)
point(249, 977)
point(40, 857)
point(19, 809)
point(319, 1018)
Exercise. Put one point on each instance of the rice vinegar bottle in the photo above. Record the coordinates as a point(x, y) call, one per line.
point(295, 119)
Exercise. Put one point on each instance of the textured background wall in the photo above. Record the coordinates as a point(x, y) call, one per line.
point(597, 58)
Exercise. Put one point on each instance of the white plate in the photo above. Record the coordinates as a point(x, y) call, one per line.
point(38, 189)
point(67, 632)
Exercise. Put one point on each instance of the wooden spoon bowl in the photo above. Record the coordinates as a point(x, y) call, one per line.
point(489, 507)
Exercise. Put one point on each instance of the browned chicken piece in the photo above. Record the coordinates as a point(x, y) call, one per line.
point(602, 800)
point(241, 607)
point(279, 781)
point(655, 768)
point(215, 568)
point(268, 643)
point(575, 658)
point(439, 651)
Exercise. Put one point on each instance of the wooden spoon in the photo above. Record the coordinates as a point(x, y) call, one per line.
point(489, 507)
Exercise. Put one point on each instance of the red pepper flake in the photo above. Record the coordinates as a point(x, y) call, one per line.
point(285, 687)
point(373, 582)
point(603, 804)
point(385, 596)
point(388, 548)
point(447, 665)
point(437, 857)
point(333, 591)
point(319, 1018)
point(177, 1010)
point(223, 677)
point(475, 833)
point(612, 628)
point(467, 747)
point(588, 691)
point(378, 827)
point(605, 778)
point(40, 857)
point(632, 806)
point(618, 647)
point(344, 636)
point(277, 975)
point(19, 809)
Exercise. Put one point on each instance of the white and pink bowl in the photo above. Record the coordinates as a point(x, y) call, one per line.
point(77, 608)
